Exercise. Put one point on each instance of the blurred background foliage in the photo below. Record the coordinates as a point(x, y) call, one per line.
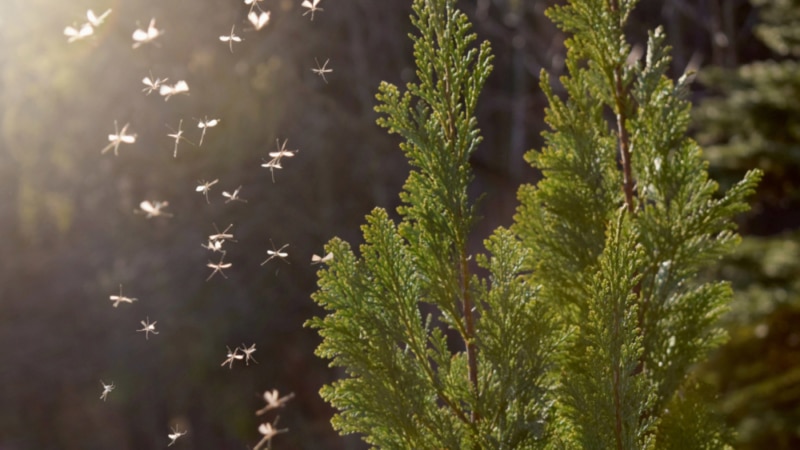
point(71, 237)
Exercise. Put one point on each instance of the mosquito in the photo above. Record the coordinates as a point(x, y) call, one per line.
point(282, 152)
point(214, 246)
point(152, 84)
point(204, 125)
point(316, 259)
point(321, 71)
point(218, 267)
point(274, 401)
point(148, 328)
point(223, 235)
point(177, 135)
point(76, 34)
point(233, 196)
point(259, 20)
point(175, 435)
point(167, 91)
point(232, 356)
point(96, 21)
point(119, 137)
point(231, 38)
point(117, 299)
point(141, 36)
point(107, 388)
point(312, 7)
point(275, 162)
point(205, 187)
point(276, 254)
point(248, 353)
point(253, 4)
point(269, 431)
point(154, 208)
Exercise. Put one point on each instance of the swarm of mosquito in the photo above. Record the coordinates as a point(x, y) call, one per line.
point(259, 19)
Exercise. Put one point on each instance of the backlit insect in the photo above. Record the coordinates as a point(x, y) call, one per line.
point(279, 253)
point(146, 36)
point(253, 4)
point(107, 388)
point(154, 208)
point(75, 34)
point(223, 235)
point(316, 259)
point(119, 137)
point(175, 435)
point(167, 91)
point(230, 39)
point(218, 267)
point(233, 196)
point(259, 20)
point(152, 84)
point(269, 431)
point(95, 20)
point(205, 187)
point(232, 356)
point(148, 328)
point(282, 152)
point(177, 135)
point(312, 7)
point(204, 125)
point(274, 401)
point(117, 299)
point(214, 246)
point(321, 71)
point(248, 353)
point(275, 162)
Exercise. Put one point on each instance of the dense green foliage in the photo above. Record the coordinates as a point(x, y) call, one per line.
point(754, 121)
point(612, 240)
point(397, 310)
point(620, 226)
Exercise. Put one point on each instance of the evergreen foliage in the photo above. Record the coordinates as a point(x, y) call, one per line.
point(397, 311)
point(754, 121)
point(607, 247)
point(620, 226)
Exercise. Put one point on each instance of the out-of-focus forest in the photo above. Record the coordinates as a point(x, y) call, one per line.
point(71, 237)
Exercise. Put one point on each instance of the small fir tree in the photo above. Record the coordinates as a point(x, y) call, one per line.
point(622, 223)
point(612, 243)
point(435, 356)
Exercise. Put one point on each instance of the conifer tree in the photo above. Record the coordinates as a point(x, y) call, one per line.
point(620, 227)
point(753, 120)
point(608, 247)
point(435, 356)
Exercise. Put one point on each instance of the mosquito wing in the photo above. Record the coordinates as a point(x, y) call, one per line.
point(95, 20)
